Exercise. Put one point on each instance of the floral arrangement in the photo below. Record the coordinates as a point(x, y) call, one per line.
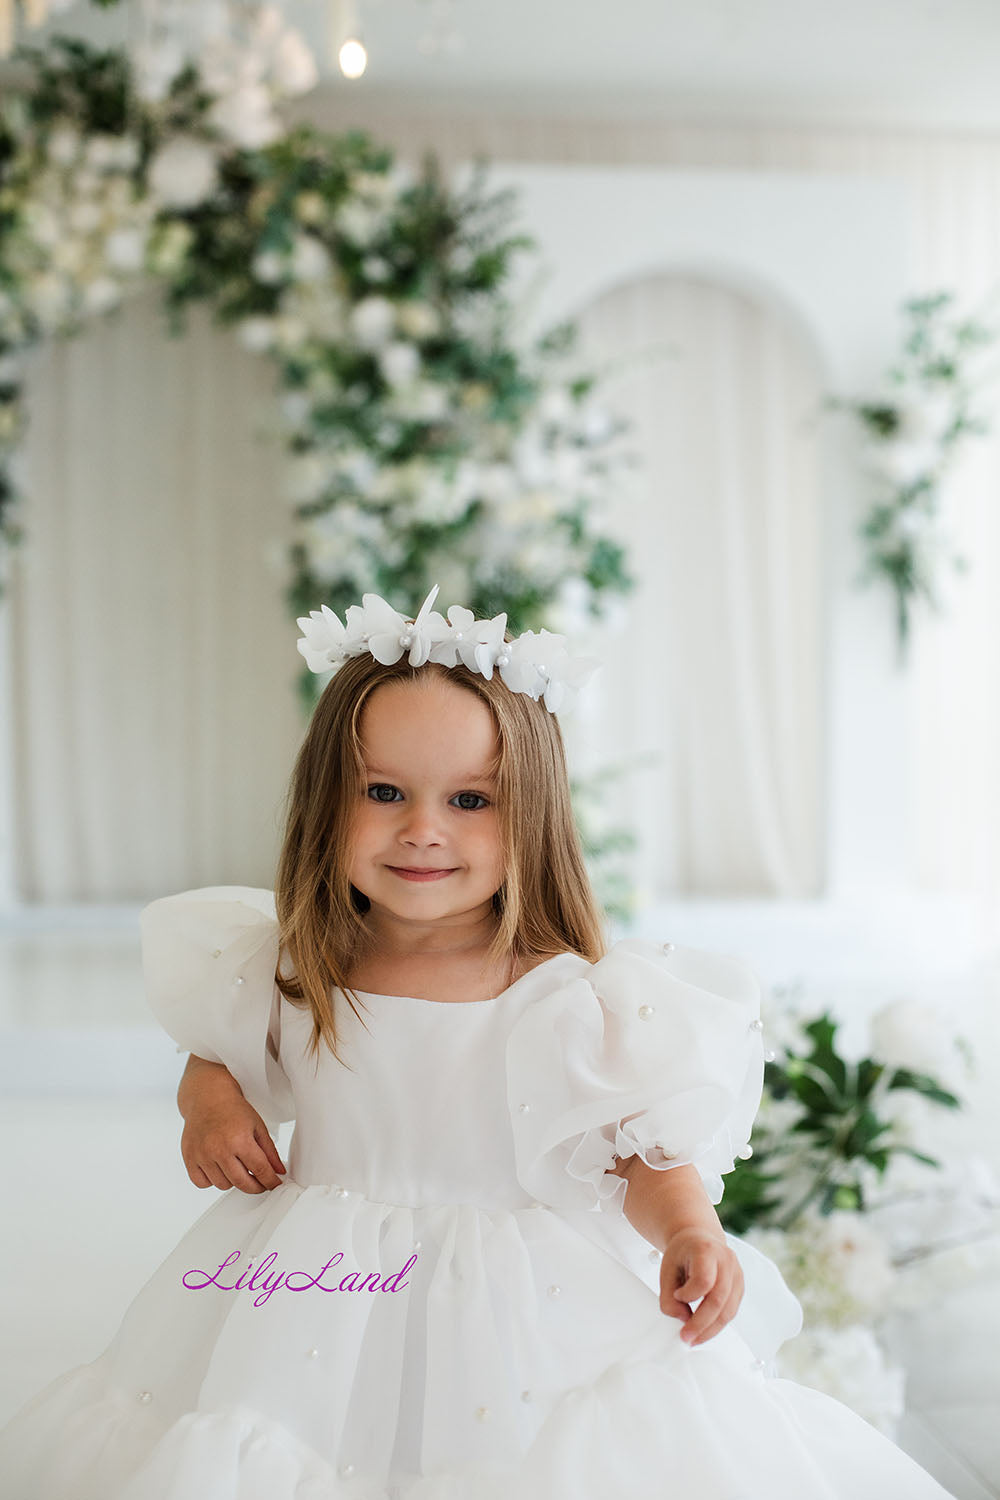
point(914, 432)
point(837, 1189)
point(427, 442)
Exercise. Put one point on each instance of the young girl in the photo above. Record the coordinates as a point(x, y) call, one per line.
point(493, 1269)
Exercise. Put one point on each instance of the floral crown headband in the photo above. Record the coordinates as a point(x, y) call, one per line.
point(536, 663)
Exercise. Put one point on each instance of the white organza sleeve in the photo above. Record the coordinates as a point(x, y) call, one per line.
point(654, 1051)
point(209, 960)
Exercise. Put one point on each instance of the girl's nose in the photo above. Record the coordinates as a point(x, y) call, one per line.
point(421, 822)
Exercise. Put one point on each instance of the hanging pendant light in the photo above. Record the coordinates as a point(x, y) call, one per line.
point(347, 48)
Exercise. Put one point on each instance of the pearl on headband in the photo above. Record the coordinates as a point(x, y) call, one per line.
point(536, 663)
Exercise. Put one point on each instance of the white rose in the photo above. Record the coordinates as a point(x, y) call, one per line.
point(372, 322)
point(102, 151)
point(256, 333)
point(377, 186)
point(295, 405)
point(596, 423)
point(906, 1034)
point(498, 483)
point(71, 254)
point(64, 145)
point(245, 115)
point(101, 294)
point(358, 467)
point(308, 476)
point(183, 173)
point(294, 67)
point(268, 266)
point(555, 406)
point(266, 26)
point(310, 207)
point(156, 64)
point(43, 224)
point(126, 249)
point(310, 259)
point(87, 184)
point(423, 401)
point(903, 462)
point(84, 216)
point(374, 268)
point(357, 222)
point(127, 153)
point(418, 320)
point(399, 363)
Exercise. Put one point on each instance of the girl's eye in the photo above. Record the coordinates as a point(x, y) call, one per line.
point(379, 786)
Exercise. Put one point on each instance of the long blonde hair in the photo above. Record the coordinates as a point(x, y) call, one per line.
point(545, 904)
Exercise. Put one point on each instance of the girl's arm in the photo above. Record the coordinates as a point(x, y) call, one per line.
point(671, 1209)
point(225, 1143)
point(658, 1204)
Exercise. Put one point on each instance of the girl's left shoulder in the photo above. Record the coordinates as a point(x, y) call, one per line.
point(654, 1050)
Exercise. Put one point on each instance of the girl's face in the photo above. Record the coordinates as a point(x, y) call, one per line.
point(427, 804)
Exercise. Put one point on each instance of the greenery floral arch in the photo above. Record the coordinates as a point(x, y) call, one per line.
point(427, 444)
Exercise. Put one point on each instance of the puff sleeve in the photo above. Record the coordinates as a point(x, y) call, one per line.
point(655, 1051)
point(209, 960)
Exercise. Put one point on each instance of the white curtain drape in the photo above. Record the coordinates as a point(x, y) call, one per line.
point(154, 713)
point(724, 685)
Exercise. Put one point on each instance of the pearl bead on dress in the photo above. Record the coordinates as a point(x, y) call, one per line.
point(314, 1354)
point(524, 1108)
point(347, 1470)
point(145, 1396)
point(482, 1412)
point(554, 1291)
point(757, 1025)
point(646, 1011)
point(239, 979)
point(667, 947)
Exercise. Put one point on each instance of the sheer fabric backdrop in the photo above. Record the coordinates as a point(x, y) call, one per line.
point(154, 710)
point(723, 676)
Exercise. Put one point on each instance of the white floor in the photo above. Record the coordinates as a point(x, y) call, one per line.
point(97, 1193)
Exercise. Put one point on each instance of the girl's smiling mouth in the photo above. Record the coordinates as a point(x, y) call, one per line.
point(419, 874)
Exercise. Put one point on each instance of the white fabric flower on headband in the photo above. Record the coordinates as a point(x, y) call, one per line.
point(536, 663)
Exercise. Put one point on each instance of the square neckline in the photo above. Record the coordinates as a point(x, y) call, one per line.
point(490, 1000)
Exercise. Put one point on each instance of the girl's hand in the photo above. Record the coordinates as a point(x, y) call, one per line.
point(224, 1139)
point(696, 1263)
point(223, 1144)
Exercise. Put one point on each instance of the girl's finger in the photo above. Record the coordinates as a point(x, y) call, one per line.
point(239, 1176)
point(270, 1150)
point(721, 1310)
point(254, 1161)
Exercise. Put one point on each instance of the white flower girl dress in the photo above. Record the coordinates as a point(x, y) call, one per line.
point(443, 1299)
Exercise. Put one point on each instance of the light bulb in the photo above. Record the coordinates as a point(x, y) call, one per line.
point(353, 58)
